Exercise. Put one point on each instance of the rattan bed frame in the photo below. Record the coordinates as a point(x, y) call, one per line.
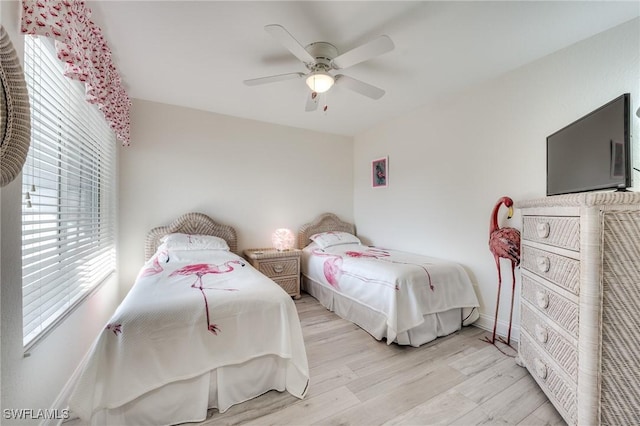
point(191, 223)
point(324, 223)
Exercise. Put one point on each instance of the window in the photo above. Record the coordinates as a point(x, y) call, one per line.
point(68, 213)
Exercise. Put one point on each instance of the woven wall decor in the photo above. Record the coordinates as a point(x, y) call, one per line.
point(15, 118)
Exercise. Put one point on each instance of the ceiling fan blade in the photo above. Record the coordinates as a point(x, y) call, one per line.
point(273, 78)
point(312, 102)
point(358, 86)
point(375, 47)
point(287, 40)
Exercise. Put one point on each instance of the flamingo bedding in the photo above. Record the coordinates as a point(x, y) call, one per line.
point(403, 297)
point(199, 329)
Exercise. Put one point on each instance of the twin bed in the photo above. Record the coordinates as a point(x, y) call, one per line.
point(402, 297)
point(201, 328)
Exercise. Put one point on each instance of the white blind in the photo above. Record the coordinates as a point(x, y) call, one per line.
point(68, 213)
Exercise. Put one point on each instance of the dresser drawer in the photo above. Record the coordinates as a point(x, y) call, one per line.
point(554, 343)
point(560, 270)
point(279, 268)
point(560, 310)
point(556, 231)
point(561, 392)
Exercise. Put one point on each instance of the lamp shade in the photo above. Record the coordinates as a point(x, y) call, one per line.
point(283, 239)
point(320, 81)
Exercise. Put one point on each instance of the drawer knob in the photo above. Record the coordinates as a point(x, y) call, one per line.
point(543, 263)
point(543, 229)
point(542, 334)
point(541, 368)
point(542, 299)
point(278, 268)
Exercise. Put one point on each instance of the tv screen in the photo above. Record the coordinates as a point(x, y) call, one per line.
point(593, 152)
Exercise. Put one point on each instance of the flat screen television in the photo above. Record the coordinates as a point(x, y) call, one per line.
point(592, 153)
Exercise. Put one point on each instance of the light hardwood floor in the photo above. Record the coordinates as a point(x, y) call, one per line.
point(357, 380)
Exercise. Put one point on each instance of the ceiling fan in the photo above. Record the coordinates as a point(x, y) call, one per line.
point(320, 58)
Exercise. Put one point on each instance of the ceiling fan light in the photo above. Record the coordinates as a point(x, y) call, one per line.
point(320, 81)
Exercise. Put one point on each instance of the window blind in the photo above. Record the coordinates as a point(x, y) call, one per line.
point(68, 213)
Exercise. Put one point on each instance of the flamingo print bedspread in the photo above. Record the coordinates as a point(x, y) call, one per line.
point(186, 316)
point(402, 286)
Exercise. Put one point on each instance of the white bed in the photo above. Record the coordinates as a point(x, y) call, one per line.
point(200, 328)
point(402, 297)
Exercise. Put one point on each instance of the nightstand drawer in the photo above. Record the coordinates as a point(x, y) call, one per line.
point(283, 267)
point(291, 285)
point(279, 268)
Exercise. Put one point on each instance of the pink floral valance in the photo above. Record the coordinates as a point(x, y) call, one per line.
point(83, 49)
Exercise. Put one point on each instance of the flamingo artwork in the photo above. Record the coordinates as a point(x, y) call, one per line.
point(504, 243)
point(202, 269)
point(156, 268)
point(332, 267)
point(379, 254)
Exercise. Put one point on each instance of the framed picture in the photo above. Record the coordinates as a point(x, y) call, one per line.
point(380, 172)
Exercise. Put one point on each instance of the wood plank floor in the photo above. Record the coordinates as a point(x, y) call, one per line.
point(357, 380)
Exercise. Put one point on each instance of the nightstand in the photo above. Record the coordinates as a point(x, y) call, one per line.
point(283, 267)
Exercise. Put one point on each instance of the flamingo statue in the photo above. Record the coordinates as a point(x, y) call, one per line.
point(201, 269)
point(504, 243)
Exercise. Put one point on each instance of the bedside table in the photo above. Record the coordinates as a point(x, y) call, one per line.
point(283, 267)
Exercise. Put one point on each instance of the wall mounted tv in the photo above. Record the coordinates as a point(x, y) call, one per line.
point(592, 153)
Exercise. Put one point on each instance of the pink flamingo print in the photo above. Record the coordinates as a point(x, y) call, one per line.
point(156, 268)
point(332, 269)
point(201, 269)
point(381, 254)
point(372, 252)
point(333, 266)
point(152, 270)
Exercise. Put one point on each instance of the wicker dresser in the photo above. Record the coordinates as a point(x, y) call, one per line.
point(580, 335)
point(283, 267)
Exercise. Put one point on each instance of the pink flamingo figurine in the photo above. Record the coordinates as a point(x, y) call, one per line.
point(201, 269)
point(504, 243)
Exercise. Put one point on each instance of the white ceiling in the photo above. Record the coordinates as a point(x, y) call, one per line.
point(196, 54)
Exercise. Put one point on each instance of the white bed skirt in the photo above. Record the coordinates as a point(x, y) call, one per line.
point(188, 400)
point(375, 323)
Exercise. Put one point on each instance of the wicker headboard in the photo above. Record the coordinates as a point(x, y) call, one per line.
point(324, 223)
point(191, 223)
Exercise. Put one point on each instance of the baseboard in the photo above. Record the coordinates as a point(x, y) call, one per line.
point(486, 323)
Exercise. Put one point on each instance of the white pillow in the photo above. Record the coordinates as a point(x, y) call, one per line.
point(179, 241)
point(334, 238)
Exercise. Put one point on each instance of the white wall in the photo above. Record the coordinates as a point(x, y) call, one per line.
point(449, 163)
point(34, 382)
point(251, 175)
